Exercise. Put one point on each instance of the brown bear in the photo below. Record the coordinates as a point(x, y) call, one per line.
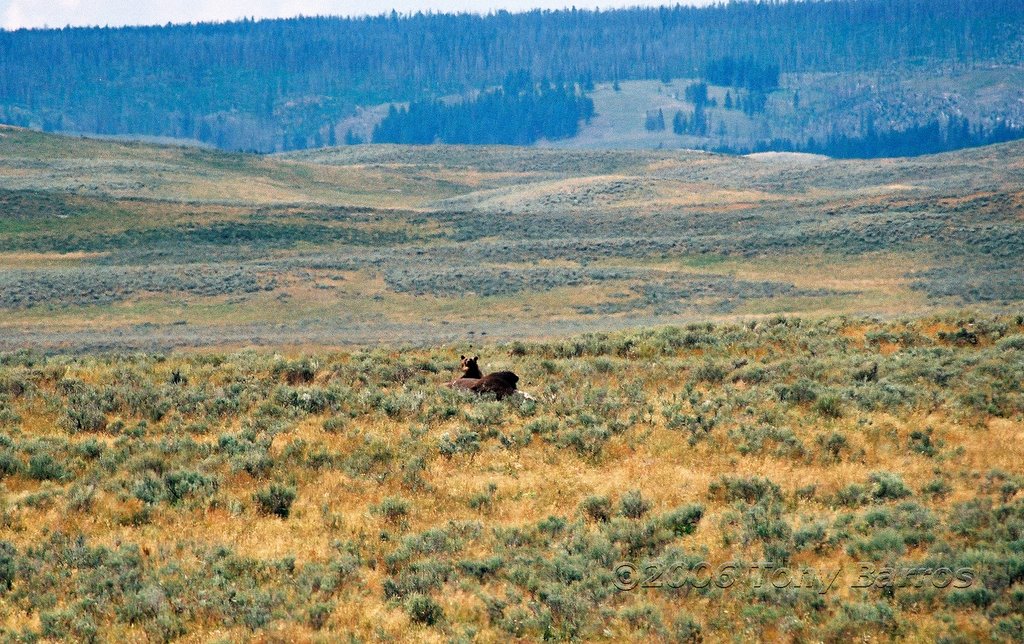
point(499, 383)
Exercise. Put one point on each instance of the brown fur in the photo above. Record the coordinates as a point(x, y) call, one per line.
point(470, 373)
point(499, 383)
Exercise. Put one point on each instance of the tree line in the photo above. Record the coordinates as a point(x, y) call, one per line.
point(515, 114)
point(931, 137)
point(283, 84)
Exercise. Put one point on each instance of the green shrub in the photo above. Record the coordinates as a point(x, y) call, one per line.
point(708, 372)
point(309, 400)
point(465, 442)
point(884, 544)
point(886, 486)
point(412, 473)
point(296, 372)
point(633, 505)
point(686, 630)
point(961, 337)
point(1012, 343)
point(488, 414)
point(970, 597)
point(552, 525)
point(921, 442)
point(809, 536)
point(856, 619)
point(544, 427)
point(392, 509)
point(83, 416)
point(588, 443)
point(970, 517)
point(597, 508)
point(423, 609)
point(1011, 628)
point(318, 615)
point(8, 568)
point(642, 617)
point(683, 520)
point(43, 467)
point(276, 500)
point(80, 498)
point(9, 463)
point(335, 424)
point(184, 483)
point(372, 457)
point(481, 569)
point(852, 495)
point(68, 624)
point(751, 489)
point(937, 488)
point(801, 391)
point(90, 449)
point(829, 406)
point(868, 373)
point(639, 538)
point(759, 438)
point(808, 491)
point(149, 489)
point(483, 500)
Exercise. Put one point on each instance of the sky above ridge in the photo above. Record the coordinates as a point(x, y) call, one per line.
point(15, 14)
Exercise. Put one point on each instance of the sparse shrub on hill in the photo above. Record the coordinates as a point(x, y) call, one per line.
point(802, 391)
point(886, 486)
point(276, 499)
point(44, 467)
point(297, 372)
point(83, 411)
point(182, 484)
point(829, 406)
point(683, 520)
point(597, 508)
point(10, 464)
point(424, 610)
point(686, 630)
point(766, 439)
point(632, 505)
point(747, 489)
point(8, 554)
point(392, 509)
point(709, 372)
point(513, 519)
point(833, 445)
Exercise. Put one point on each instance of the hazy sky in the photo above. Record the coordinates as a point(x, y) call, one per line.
point(58, 13)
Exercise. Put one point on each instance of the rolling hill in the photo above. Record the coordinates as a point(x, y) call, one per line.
point(120, 244)
point(224, 412)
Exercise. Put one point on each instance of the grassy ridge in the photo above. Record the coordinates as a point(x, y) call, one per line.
point(111, 244)
point(251, 495)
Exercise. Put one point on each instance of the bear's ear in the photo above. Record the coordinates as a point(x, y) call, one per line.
point(476, 357)
point(462, 357)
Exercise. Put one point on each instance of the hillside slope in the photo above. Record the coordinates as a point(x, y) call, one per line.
point(131, 245)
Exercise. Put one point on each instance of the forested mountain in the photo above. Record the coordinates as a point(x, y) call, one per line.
point(285, 84)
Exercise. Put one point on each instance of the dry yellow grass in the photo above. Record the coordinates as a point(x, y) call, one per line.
point(544, 477)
